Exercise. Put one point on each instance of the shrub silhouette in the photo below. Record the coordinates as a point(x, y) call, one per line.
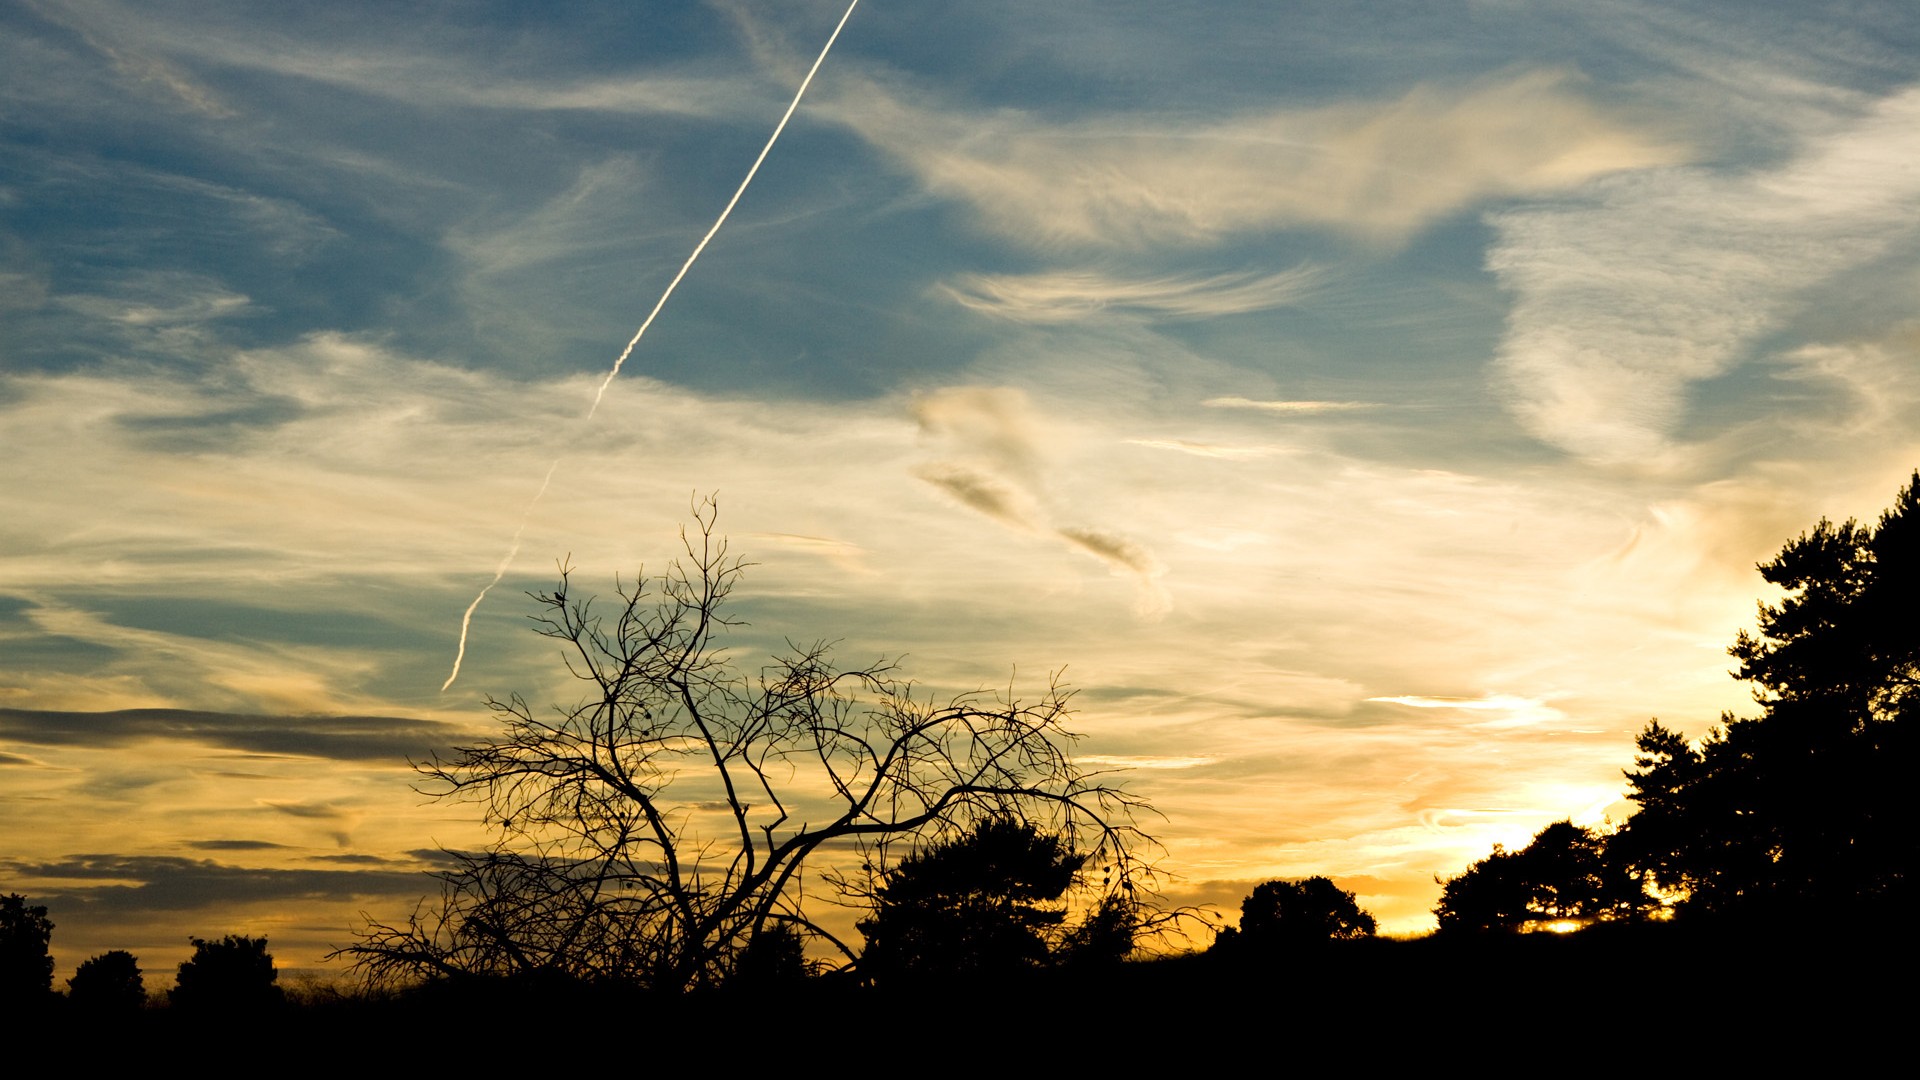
point(232, 973)
point(1291, 914)
point(978, 906)
point(1105, 938)
point(108, 982)
point(773, 958)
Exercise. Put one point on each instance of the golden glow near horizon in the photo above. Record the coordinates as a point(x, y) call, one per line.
point(1376, 447)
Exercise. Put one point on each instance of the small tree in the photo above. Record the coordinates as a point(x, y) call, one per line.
point(1293, 914)
point(234, 972)
point(26, 968)
point(649, 832)
point(773, 959)
point(1111, 933)
point(108, 982)
point(983, 904)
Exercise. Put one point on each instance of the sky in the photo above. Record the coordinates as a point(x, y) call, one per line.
point(1375, 411)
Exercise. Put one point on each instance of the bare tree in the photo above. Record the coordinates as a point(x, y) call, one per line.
point(648, 833)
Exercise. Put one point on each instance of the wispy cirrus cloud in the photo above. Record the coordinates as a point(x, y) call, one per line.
point(382, 739)
point(992, 436)
point(1208, 449)
point(1668, 278)
point(1288, 408)
point(1382, 171)
point(1511, 710)
point(996, 497)
point(171, 53)
point(125, 884)
point(133, 59)
point(1114, 549)
point(1069, 295)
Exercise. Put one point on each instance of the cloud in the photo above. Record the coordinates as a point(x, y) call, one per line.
point(157, 300)
point(1073, 295)
point(310, 811)
point(137, 64)
point(1141, 761)
point(998, 499)
point(999, 430)
point(996, 424)
point(1125, 556)
point(1114, 550)
point(1383, 170)
point(1665, 279)
point(402, 62)
point(223, 672)
point(384, 739)
point(1209, 450)
point(1515, 711)
point(342, 820)
point(1288, 408)
point(130, 884)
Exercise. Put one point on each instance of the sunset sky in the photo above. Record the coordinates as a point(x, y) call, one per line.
point(1376, 409)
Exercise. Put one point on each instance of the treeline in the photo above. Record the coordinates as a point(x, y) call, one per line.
point(224, 975)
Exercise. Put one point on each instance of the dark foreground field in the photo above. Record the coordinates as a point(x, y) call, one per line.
point(1605, 1000)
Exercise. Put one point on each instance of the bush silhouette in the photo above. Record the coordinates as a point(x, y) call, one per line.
point(110, 981)
point(232, 973)
point(775, 957)
point(980, 905)
point(1283, 914)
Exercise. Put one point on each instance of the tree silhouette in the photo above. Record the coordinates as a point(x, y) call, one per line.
point(1108, 935)
point(108, 982)
point(1293, 914)
point(774, 958)
point(647, 834)
point(1803, 809)
point(985, 904)
point(233, 973)
point(26, 968)
point(1564, 875)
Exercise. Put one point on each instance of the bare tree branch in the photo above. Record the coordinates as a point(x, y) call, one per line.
point(608, 864)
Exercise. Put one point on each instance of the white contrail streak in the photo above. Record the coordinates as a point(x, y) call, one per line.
point(500, 572)
point(513, 550)
point(722, 220)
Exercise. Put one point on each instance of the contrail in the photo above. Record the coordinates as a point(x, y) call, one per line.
point(500, 572)
point(513, 550)
point(722, 220)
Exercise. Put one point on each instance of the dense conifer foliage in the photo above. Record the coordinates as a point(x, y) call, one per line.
point(1796, 817)
point(984, 904)
point(1805, 809)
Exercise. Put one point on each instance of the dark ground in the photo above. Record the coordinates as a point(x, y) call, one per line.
point(1629, 999)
